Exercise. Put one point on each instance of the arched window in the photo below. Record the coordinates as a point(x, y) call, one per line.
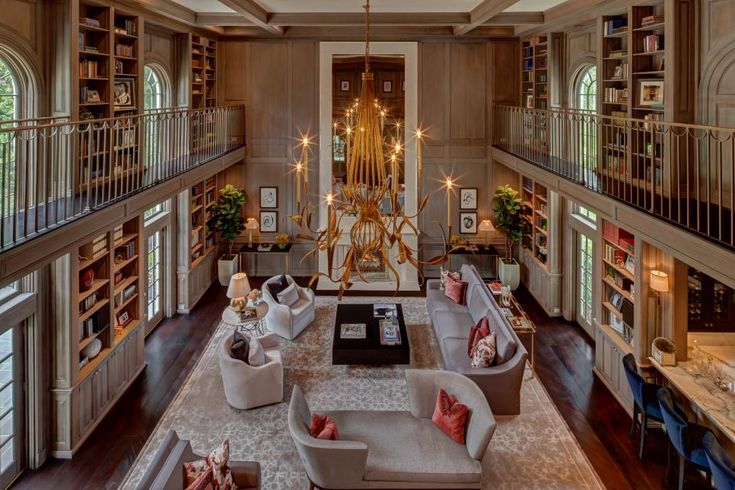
point(154, 88)
point(9, 93)
point(585, 99)
point(156, 96)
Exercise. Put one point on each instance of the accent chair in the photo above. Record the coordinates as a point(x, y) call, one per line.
point(288, 321)
point(249, 386)
point(685, 437)
point(397, 449)
point(645, 402)
point(166, 471)
point(723, 472)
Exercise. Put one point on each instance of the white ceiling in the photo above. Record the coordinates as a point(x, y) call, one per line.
point(316, 6)
point(533, 5)
point(204, 6)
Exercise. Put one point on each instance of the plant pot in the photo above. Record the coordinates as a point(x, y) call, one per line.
point(282, 246)
point(227, 266)
point(509, 273)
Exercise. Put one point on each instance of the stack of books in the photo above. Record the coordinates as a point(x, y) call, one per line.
point(650, 20)
point(87, 21)
point(615, 26)
point(615, 95)
point(96, 249)
point(390, 332)
point(652, 43)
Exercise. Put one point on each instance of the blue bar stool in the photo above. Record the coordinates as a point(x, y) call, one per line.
point(645, 402)
point(720, 464)
point(686, 438)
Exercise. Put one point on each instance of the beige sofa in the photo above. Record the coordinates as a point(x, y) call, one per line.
point(452, 322)
point(252, 386)
point(402, 449)
point(166, 471)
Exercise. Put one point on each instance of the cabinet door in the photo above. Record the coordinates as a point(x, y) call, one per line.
point(85, 407)
point(117, 375)
point(100, 388)
point(133, 356)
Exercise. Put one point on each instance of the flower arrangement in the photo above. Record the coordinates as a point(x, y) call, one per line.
point(282, 240)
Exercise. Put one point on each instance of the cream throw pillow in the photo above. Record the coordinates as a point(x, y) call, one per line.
point(256, 353)
point(289, 296)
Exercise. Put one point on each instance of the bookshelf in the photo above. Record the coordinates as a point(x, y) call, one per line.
point(535, 72)
point(202, 239)
point(108, 84)
point(535, 212)
point(204, 72)
point(97, 356)
point(618, 268)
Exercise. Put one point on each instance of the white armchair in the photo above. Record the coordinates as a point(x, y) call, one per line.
point(249, 386)
point(288, 321)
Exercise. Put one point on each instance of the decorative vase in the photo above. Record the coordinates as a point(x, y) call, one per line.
point(88, 279)
point(509, 273)
point(282, 245)
point(227, 266)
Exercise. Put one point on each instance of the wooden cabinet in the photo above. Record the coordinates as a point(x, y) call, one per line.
point(85, 407)
point(609, 353)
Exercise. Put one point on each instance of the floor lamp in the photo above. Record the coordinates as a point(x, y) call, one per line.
point(659, 284)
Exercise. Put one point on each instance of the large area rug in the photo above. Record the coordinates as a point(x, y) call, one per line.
point(532, 450)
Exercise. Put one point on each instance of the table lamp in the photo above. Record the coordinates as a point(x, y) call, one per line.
point(486, 227)
point(251, 225)
point(237, 291)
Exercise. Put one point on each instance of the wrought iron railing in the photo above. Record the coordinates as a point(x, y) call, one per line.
point(681, 173)
point(54, 172)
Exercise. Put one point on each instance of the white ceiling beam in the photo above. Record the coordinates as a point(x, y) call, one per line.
point(483, 13)
point(377, 33)
point(253, 13)
point(574, 13)
point(376, 19)
point(516, 19)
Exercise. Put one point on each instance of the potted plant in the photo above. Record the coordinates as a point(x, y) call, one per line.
point(507, 209)
point(226, 219)
point(282, 240)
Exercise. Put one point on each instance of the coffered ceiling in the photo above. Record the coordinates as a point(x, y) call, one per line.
point(344, 18)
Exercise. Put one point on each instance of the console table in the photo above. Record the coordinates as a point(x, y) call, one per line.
point(487, 252)
point(528, 328)
point(275, 250)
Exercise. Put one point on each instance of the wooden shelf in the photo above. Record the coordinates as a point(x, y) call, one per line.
point(617, 246)
point(88, 262)
point(622, 271)
point(92, 365)
point(125, 331)
point(120, 287)
point(125, 303)
point(96, 286)
point(117, 266)
point(612, 309)
point(617, 288)
point(126, 239)
point(97, 307)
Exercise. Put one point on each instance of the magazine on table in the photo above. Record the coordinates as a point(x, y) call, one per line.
point(352, 331)
point(390, 332)
point(385, 310)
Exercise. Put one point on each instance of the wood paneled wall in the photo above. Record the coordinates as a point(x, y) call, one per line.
point(159, 46)
point(717, 55)
point(580, 50)
point(459, 83)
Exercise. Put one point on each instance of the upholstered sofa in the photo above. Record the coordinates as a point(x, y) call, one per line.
point(288, 321)
point(451, 323)
point(401, 449)
point(166, 471)
point(249, 386)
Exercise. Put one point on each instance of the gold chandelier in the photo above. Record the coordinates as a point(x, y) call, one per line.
point(374, 233)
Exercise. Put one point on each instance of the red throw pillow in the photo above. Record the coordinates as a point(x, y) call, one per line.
point(477, 332)
point(323, 427)
point(456, 290)
point(450, 416)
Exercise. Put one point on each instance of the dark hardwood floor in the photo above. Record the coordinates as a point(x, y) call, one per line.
point(564, 356)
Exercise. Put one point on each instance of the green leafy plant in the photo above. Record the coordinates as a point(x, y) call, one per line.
point(507, 209)
point(226, 215)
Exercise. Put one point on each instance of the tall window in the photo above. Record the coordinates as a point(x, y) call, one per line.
point(584, 278)
point(9, 93)
point(9, 111)
point(585, 99)
point(153, 88)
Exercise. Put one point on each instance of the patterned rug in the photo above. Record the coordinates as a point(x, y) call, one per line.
point(532, 450)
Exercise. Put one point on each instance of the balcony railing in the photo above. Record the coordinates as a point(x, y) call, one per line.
point(54, 172)
point(681, 173)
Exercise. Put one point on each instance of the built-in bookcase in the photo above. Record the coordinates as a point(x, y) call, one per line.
point(202, 240)
point(618, 281)
point(204, 72)
point(535, 212)
point(535, 79)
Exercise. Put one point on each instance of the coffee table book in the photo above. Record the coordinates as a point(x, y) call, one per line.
point(353, 331)
point(390, 333)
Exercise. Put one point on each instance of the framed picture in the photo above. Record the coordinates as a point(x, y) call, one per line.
point(269, 197)
point(662, 64)
point(344, 85)
point(616, 299)
point(387, 86)
point(468, 223)
point(618, 73)
point(468, 198)
point(630, 264)
point(652, 93)
point(529, 101)
point(269, 221)
point(123, 318)
point(124, 92)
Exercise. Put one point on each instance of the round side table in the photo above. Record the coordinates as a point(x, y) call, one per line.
point(255, 325)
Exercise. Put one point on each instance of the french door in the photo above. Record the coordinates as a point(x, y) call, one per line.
point(156, 277)
point(585, 301)
point(12, 434)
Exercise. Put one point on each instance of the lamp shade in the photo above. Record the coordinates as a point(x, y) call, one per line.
point(239, 286)
point(251, 224)
point(486, 226)
point(659, 281)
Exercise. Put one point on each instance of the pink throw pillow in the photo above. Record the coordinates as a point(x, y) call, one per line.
point(477, 332)
point(323, 427)
point(450, 416)
point(456, 290)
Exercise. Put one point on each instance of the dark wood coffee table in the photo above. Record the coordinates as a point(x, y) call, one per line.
point(368, 350)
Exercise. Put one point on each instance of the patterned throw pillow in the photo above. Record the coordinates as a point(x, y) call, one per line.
point(456, 290)
point(450, 416)
point(205, 481)
point(323, 427)
point(216, 462)
point(482, 329)
point(484, 353)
